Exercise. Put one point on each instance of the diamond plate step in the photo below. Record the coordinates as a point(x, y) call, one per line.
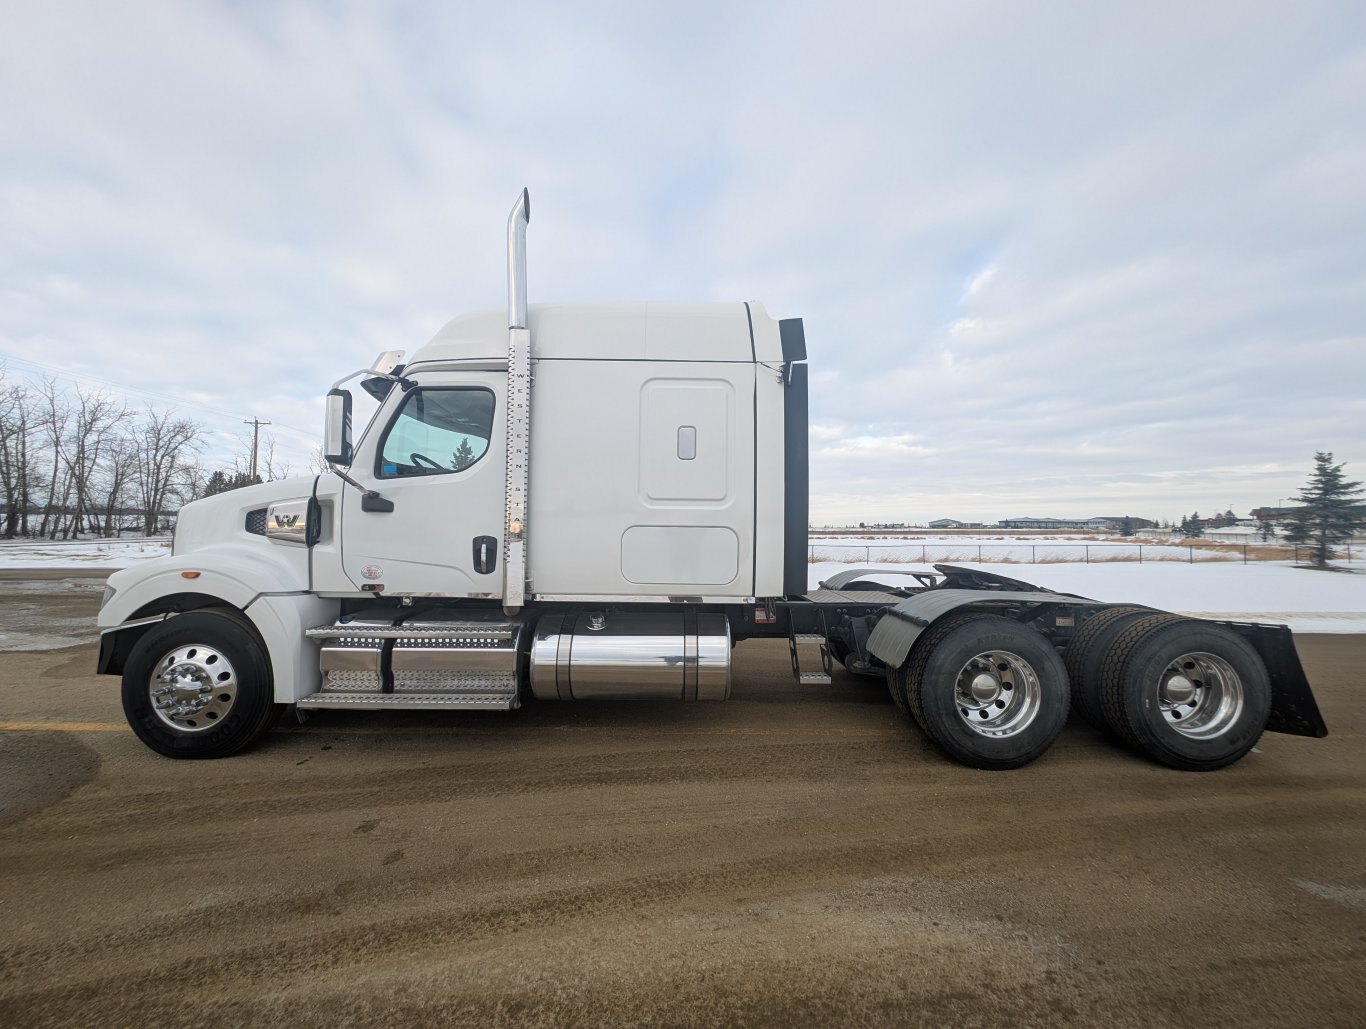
point(810, 659)
point(445, 655)
point(492, 631)
point(411, 701)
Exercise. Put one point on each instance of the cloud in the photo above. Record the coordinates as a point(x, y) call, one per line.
point(1050, 260)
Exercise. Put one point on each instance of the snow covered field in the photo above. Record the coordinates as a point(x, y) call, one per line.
point(1268, 591)
point(104, 554)
point(1173, 575)
point(1303, 598)
point(1037, 549)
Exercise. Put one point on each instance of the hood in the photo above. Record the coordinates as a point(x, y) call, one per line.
point(219, 518)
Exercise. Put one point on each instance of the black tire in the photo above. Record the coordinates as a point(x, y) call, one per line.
point(194, 651)
point(1024, 696)
point(897, 677)
point(1189, 694)
point(1086, 654)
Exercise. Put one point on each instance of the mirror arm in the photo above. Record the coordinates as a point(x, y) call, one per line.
point(336, 470)
point(407, 384)
point(370, 499)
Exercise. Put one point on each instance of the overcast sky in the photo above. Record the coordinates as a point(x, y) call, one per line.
point(1061, 259)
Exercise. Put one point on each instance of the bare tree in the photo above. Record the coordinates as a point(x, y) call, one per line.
point(273, 468)
point(16, 431)
point(164, 451)
point(81, 459)
point(52, 426)
point(116, 470)
point(191, 479)
point(96, 419)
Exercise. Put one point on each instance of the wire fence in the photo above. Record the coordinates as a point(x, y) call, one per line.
point(1055, 553)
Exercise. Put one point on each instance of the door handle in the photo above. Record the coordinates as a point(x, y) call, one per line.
point(485, 554)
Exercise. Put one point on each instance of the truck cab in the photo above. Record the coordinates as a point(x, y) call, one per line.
point(656, 453)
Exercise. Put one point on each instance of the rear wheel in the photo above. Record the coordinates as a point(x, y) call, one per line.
point(1086, 654)
point(990, 691)
point(1190, 694)
point(199, 686)
point(897, 677)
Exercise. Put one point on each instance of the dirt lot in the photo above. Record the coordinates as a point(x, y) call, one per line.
point(797, 855)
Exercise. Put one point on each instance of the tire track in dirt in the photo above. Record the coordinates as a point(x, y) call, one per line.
point(520, 903)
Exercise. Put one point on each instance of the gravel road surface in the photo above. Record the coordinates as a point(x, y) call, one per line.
point(797, 855)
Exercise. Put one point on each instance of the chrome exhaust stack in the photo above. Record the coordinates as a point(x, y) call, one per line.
point(517, 223)
point(518, 432)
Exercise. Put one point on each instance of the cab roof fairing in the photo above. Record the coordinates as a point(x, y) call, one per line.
point(615, 332)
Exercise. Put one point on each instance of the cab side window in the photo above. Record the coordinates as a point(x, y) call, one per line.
point(437, 432)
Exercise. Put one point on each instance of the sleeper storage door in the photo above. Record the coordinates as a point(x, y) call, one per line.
point(435, 458)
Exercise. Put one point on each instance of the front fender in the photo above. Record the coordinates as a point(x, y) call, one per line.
point(233, 574)
point(266, 591)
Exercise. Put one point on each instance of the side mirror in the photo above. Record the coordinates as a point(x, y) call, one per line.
point(337, 430)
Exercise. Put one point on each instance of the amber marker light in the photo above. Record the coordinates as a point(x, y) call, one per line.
point(189, 575)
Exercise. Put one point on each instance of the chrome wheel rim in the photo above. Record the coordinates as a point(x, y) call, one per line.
point(193, 688)
point(997, 694)
point(1200, 695)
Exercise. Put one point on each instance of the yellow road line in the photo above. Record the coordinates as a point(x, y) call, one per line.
point(62, 727)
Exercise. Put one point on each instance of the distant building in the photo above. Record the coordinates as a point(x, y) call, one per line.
point(1104, 523)
point(946, 523)
point(1116, 522)
point(1276, 514)
point(1043, 523)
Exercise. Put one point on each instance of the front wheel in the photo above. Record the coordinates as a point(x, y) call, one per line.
point(199, 686)
point(991, 692)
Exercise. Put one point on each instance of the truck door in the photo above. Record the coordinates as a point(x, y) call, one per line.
point(435, 456)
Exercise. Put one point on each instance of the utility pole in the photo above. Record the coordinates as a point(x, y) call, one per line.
point(255, 424)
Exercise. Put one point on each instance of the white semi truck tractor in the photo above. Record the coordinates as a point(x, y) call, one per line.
point(573, 502)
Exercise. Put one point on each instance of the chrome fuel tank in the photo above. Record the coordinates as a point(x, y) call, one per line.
point(681, 655)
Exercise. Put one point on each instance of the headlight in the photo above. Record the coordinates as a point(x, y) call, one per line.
point(109, 592)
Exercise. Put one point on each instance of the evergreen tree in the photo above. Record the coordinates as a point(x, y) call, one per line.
point(220, 483)
point(1297, 529)
point(463, 456)
point(1333, 509)
point(1192, 527)
point(1265, 529)
point(1126, 527)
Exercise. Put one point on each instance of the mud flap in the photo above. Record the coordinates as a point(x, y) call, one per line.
point(1293, 708)
point(117, 643)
